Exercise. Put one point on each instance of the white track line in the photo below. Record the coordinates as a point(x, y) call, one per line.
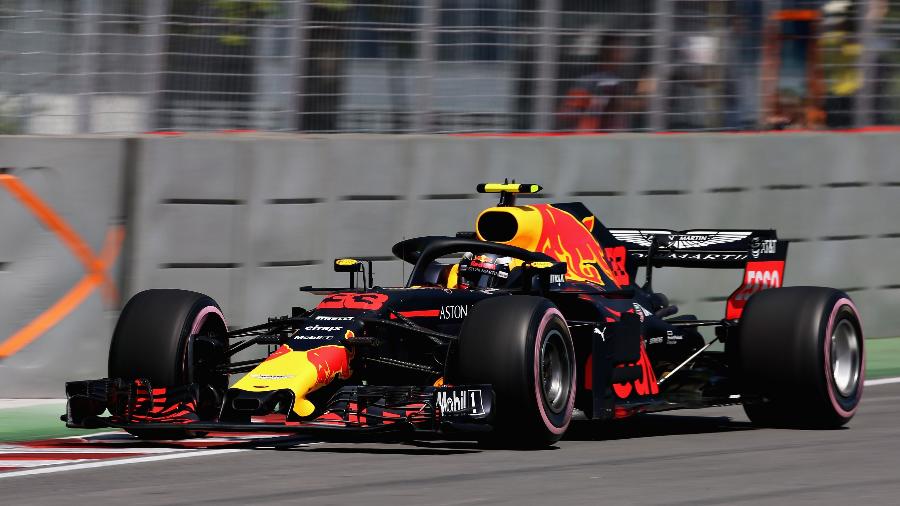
point(882, 381)
point(40, 463)
point(84, 449)
point(116, 462)
point(95, 435)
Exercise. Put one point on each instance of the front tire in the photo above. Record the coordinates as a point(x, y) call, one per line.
point(801, 360)
point(151, 342)
point(522, 347)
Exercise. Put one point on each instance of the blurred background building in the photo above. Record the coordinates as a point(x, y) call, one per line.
point(397, 66)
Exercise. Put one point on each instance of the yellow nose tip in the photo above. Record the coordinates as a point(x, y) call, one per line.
point(303, 407)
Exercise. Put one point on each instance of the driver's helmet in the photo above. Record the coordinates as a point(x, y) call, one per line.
point(483, 271)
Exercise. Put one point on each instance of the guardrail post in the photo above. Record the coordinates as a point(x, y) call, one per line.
point(548, 56)
point(662, 38)
point(423, 116)
point(155, 29)
point(89, 32)
point(863, 103)
point(298, 13)
point(23, 87)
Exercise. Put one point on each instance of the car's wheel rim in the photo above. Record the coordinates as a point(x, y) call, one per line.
point(845, 358)
point(556, 371)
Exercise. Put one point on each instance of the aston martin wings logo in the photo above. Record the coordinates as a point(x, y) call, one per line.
point(703, 238)
point(639, 237)
point(692, 239)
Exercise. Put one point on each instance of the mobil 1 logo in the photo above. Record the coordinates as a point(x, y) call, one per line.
point(458, 401)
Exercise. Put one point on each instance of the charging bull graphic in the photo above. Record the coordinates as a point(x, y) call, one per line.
point(569, 240)
point(558, 233)
point(301, 372)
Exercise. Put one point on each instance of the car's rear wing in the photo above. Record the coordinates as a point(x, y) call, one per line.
point(709, 249)
point(759, 252)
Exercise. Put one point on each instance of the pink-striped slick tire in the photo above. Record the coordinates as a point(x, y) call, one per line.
point(800, 357)
point(521, 346)
point(151, 342)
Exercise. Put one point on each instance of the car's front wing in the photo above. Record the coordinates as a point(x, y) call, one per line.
point(352, 410)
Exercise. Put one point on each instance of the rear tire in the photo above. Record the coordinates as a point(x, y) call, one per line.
point(801, 360)
point(151, 340)
point(521, 346)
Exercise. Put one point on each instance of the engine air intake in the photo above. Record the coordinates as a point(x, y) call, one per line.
point(497, 226)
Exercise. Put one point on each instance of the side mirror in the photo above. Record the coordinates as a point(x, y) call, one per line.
point(348, 265)
point(549, 267)
point(354, 266)
point(545, 272)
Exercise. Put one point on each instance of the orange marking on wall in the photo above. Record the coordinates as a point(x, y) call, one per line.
point(63, 230)
point(95, 265)
point(112, 244)
point(66, 304)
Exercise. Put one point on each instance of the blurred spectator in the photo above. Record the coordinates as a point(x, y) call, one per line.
point(693, 59)
point(883, 50)
point(793, 112)
point(841, 51)
point(613, 97)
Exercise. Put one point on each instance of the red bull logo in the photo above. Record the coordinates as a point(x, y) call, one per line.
point(483, 261)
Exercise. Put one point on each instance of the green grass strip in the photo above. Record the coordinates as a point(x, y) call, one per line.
point(35, 422)
point(882, 358)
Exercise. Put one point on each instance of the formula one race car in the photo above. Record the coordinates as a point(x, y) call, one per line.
point(499, 334)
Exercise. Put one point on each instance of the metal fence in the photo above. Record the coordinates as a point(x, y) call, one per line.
point(77, 66)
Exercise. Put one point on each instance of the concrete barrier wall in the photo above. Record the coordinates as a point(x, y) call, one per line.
point(41, 280)
point(249, 219)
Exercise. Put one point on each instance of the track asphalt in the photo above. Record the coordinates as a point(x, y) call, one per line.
point(710, 456)
point(700, 457)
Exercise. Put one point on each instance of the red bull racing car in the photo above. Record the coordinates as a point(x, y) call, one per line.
point(499, 334)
